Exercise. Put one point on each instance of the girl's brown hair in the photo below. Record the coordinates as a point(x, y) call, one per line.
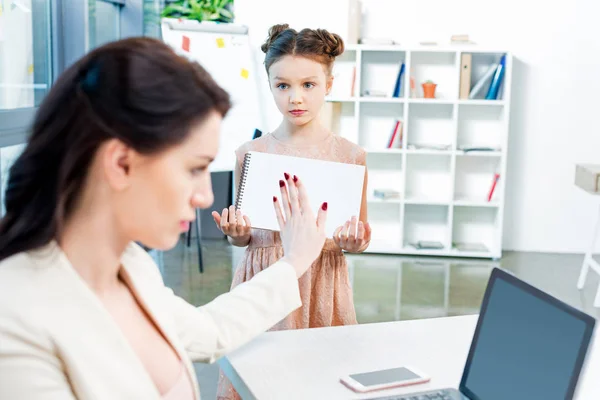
point(317, 44)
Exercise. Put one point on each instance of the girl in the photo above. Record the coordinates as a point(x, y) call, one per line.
point(299, 68)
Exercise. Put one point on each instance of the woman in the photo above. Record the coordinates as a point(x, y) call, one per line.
point(119, 154)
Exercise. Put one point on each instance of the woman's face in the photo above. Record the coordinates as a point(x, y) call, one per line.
point(163, 190)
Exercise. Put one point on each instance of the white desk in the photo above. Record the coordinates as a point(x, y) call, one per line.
point(307, 364)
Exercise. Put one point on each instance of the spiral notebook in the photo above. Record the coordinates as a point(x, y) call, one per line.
point(338, 184)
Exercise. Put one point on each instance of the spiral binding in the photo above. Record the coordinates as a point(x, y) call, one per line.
point(242, 185)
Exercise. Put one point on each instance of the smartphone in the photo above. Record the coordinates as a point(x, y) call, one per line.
point(384, 379)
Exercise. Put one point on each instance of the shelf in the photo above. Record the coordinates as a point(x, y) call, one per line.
point(376, 200)
point(426, 223)
point(427, 201)
point(385, 151)
point(374, 99)
point(474, 202)
point(480, 64)
point(430, 152)
point(443, 190)
point(474, 178)
point(441, 68)
point(481, 126)
point(379, 71)
point(428, 177)
point(481, 102)
point(376, 123)
point(386, 231)
point(431, 124)
point(385, 172)
point(416, 100)
point(475, 225)
point(491, 154)
point(341, 99)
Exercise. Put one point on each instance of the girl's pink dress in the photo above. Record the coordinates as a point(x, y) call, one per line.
point(325, 288)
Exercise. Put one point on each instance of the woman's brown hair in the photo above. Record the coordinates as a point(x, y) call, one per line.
point(138, 91)
point(317, 44)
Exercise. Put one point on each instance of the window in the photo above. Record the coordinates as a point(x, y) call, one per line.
point(8, 155)
point(25, 72)
point(104, 22)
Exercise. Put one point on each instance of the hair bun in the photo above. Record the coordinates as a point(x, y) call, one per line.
point(333, 43)
point(274, 32)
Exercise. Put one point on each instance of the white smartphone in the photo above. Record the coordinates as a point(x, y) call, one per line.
point(384, 379)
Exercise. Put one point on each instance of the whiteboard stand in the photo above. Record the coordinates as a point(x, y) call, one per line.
point(225, 52)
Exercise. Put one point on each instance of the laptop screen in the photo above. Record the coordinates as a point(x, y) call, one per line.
point(528, 346)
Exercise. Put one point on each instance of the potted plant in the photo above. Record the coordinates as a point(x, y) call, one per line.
point(200, 10)
point(429, 89)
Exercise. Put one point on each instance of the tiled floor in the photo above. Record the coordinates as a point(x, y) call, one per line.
point(388, 288)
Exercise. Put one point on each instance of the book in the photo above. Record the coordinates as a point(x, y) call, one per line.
point(398, 86)
point(338, 184)
point(494, 89)
point(478, 87)
point(396, 136)
point(427, 245)
point(493, 188)
point(465, 75)
point(385, 194)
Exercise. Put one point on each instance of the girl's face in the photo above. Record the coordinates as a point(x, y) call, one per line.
point(299, 86)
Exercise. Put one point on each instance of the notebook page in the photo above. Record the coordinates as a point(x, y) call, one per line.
point(338, 184)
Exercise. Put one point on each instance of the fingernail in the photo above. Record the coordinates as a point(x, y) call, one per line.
point(324, 206)
point(295, 178)
point(287, 176)
point(281, 183)
point(274, 199)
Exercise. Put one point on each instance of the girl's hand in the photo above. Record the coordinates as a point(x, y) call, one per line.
point(302, 235)
point(233, 224)
point(353, 236)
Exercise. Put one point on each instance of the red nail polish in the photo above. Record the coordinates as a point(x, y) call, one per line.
point(324, 206)
point(295, 178)
point(281, 183)
point(274, 199)
point(287, 176)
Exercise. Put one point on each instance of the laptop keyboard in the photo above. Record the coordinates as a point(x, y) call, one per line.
point(439, 395)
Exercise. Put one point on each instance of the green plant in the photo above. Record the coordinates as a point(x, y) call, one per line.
point(429, 81)
point(200, 10)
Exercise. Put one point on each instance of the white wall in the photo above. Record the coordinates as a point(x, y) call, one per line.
point(555, 109)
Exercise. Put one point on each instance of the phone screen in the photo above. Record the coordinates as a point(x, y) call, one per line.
point(384, 376)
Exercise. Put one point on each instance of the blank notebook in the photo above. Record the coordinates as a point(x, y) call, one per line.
point(338, 184)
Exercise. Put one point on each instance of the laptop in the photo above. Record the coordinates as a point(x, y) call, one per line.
point(527, 345)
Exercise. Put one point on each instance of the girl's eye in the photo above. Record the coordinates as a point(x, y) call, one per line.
point(282, 86)
point(309, 85)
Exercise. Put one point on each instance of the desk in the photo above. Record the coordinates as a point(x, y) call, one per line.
point(307, 364)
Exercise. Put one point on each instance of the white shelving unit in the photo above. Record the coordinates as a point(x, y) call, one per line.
point(443, 189)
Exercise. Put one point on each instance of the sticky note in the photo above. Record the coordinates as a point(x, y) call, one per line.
point(30, 69)
point(245, 73)
point(220, 43)
point(185, 43)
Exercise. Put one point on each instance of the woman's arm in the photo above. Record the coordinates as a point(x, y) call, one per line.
point(234, 318)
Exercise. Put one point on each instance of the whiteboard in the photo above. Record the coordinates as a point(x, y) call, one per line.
point(224, 50)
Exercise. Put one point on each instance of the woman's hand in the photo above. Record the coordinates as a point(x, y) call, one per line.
point(353, 236)
point(302, 235)
point(233, 224)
